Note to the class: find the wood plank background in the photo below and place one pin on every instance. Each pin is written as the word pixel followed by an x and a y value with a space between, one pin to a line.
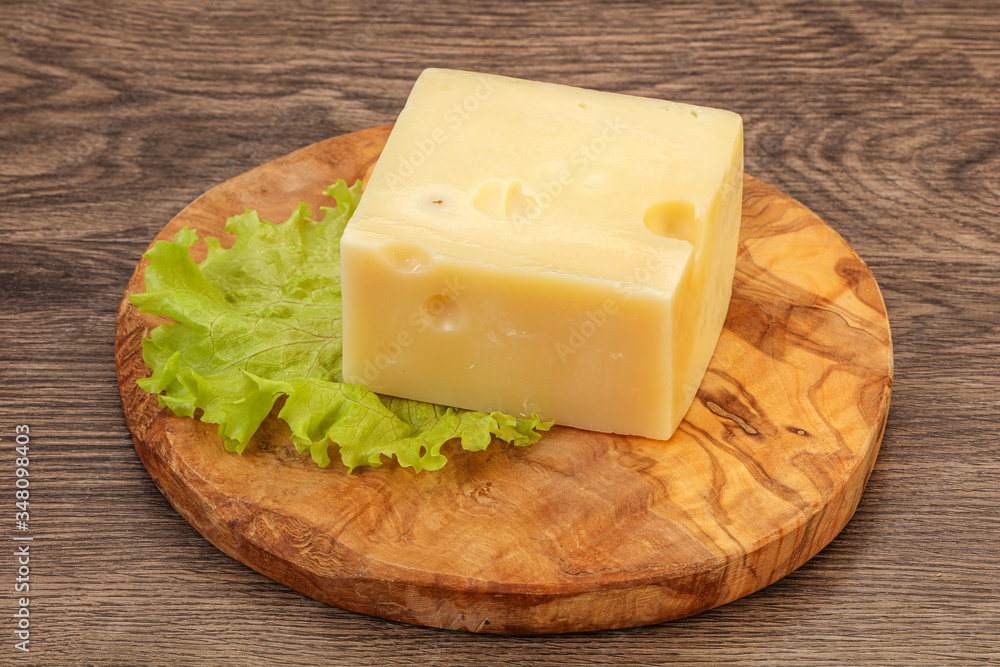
pixel 883 117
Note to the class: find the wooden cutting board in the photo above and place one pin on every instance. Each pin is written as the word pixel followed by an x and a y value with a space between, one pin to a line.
pixel 582 530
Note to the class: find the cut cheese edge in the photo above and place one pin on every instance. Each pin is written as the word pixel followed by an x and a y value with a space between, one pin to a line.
pixel 528 247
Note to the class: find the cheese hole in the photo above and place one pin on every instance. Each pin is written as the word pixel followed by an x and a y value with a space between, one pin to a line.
pixel 406 258
pixel 441 312
pixel 444 87
pixel 488 197
pixel 582 105
pixel 503 200
pixel 517 204
pixel 675 219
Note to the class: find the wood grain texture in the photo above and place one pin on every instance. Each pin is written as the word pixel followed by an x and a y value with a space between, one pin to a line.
pixel 880 116
pixel 583 530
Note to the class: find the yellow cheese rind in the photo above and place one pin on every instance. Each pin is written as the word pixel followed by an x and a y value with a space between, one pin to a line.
pixel 528 247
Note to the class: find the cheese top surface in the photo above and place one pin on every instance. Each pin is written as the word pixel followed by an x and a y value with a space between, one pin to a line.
pixel 504 171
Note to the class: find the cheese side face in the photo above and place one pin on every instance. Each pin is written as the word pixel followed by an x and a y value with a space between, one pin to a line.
pixel 529 247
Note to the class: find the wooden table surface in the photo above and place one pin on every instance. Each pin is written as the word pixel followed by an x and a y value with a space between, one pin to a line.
pixel 882 117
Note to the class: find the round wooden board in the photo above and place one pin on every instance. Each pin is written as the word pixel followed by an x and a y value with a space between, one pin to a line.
pixel 582 530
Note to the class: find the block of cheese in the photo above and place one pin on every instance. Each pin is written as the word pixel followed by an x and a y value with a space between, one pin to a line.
pixel 531 247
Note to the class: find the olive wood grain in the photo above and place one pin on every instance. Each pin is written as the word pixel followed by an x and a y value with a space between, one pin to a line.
pixel 582 530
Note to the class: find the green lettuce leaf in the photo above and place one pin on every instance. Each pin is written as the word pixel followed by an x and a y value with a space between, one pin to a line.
pixel 262 320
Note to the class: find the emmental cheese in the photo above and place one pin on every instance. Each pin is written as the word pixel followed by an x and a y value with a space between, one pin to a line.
pixel 528 247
